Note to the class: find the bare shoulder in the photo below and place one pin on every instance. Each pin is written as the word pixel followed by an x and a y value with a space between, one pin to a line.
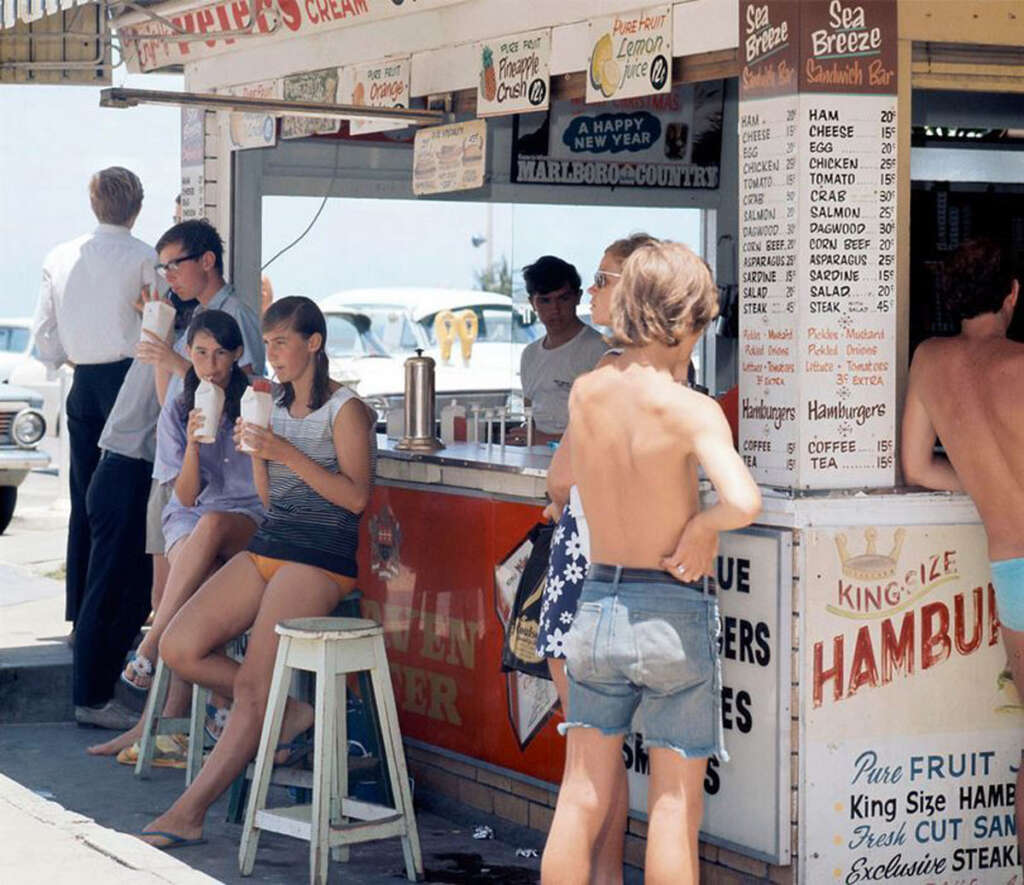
pixel 691 410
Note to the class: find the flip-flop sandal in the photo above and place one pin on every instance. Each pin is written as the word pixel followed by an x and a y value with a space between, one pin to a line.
pixel 138 672
pixel 298 749
pixel 173 840
pixel 216 721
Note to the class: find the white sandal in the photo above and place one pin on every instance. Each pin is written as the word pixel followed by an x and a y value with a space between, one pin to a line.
pixel 138 672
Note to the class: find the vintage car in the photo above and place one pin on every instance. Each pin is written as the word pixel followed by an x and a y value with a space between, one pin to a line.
pixel 22 426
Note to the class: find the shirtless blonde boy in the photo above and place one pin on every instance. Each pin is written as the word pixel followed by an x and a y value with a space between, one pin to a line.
pixel 642 652
pixel 967 391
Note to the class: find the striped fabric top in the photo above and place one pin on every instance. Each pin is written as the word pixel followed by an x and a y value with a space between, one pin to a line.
pixel 301 525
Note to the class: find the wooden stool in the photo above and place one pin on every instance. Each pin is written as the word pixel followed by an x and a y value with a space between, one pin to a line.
pixel 331 648
pixel 153 724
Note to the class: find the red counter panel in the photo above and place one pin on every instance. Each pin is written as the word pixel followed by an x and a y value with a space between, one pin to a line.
pixel 426 570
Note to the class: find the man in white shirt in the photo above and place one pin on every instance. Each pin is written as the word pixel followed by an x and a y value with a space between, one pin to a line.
pixel 86 318
pixel 569 348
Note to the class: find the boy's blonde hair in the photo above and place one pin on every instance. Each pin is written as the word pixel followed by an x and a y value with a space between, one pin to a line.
pixel 116 195
pixel 666 293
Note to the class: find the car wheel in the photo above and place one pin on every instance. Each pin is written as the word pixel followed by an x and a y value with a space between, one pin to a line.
pixel 8 498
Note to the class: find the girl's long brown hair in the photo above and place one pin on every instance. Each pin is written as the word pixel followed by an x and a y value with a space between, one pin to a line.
pixel 303 316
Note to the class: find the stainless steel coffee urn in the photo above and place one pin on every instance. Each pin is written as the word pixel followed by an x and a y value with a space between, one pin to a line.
pixel 419 406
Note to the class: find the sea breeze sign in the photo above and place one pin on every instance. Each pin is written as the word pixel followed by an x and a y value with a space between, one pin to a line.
pixel 911 726
pixel 380 84
pixel 817 129
pixel 630 54
pixel 672 140
pixel 754 578
pixel 449 158
pixel 514 74
pixel 292 18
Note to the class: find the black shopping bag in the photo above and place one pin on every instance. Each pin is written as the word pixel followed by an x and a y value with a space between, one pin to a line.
pixel 520 649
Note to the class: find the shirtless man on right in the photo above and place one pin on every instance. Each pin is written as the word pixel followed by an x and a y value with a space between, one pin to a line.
pixel 642 651
pixel 967 391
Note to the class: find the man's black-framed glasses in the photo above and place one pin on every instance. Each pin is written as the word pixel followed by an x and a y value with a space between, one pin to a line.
pixel 172 266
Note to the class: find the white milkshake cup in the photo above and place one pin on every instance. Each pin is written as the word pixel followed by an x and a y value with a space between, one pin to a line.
pixel 256 406
pixel 158 318
pixel 210 401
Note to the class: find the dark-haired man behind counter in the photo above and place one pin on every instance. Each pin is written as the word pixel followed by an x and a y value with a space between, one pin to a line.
pixel 550 365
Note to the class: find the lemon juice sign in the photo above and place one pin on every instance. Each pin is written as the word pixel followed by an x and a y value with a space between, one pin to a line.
pixel 630 54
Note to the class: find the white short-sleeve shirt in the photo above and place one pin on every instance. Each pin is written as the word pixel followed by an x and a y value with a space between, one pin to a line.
pixel 548 374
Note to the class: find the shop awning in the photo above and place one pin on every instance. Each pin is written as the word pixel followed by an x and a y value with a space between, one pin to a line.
pixel 55 41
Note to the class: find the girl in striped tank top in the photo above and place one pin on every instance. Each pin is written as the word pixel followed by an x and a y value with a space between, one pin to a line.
pixel 313 468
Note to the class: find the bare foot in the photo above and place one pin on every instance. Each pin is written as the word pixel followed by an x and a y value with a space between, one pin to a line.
pixel 170 822
pixel 116 745
pixel 298 717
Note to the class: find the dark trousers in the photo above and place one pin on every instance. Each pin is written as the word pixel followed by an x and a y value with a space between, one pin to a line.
pixel 120 574
pixel 90 400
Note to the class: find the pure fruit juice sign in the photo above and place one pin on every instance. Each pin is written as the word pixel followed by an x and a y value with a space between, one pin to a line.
pixel 514 74
pixel 630 54
pixel 380 84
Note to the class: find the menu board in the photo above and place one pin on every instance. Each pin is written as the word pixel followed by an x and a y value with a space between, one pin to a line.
pixel 254 130
pixel 911 724
pixel 193 140
pixel 449 158
pixel 379 84
pixel 769 205
pixel 514 74
pixel 320 87
pixel 847 240
pixel 817 128
pixel 630 54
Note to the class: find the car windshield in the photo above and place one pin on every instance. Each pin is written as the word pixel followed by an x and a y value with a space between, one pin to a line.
pixel 14 339
pixel 350 335
pixel 501 325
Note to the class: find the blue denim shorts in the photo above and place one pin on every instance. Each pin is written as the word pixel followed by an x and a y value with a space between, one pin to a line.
pixel 642 656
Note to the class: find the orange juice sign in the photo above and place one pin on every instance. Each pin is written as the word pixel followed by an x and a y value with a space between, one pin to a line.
pixel 382 84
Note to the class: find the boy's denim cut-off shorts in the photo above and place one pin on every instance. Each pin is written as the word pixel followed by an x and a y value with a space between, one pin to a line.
pixel 642 656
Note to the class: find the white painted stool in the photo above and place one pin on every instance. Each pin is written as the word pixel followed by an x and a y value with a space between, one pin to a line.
pixel 331 648
pixel 153 724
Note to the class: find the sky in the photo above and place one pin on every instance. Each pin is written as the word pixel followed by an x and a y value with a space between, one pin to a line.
pixel 53 138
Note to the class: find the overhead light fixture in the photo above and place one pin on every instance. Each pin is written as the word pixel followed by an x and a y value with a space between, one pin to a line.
pixel 117 97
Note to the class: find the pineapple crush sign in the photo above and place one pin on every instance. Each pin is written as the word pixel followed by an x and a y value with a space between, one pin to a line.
pixel 630 54
pixel 514 74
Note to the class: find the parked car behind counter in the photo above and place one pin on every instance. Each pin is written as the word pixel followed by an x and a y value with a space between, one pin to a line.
pixel 22 426
pixel 402 319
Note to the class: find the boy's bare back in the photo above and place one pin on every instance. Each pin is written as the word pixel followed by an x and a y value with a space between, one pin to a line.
pixel 972 393
pixel 632 433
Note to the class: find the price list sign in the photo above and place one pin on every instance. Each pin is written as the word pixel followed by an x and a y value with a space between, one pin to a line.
pixel 769 303
pixel 847 236
pixel 817 131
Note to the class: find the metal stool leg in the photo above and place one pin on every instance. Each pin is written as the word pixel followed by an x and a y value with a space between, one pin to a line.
pixel 151 718
pixel 397 773
pixel 272 720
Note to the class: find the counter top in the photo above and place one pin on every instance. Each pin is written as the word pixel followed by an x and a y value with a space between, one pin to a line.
pixel 510 459
pixel 520 473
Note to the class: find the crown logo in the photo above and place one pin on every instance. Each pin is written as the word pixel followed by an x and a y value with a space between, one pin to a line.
pixel 870 565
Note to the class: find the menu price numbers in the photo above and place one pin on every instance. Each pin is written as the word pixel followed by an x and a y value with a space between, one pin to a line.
pixel 884 461
pixel 887 179
pixel 886 275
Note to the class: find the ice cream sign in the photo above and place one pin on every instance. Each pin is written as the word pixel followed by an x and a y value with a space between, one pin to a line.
pixel 514 74
pixel 630 54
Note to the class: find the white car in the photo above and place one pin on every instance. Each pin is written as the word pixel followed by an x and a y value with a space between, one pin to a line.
pixel 18 365
pixel 402 319
pixel 15 344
